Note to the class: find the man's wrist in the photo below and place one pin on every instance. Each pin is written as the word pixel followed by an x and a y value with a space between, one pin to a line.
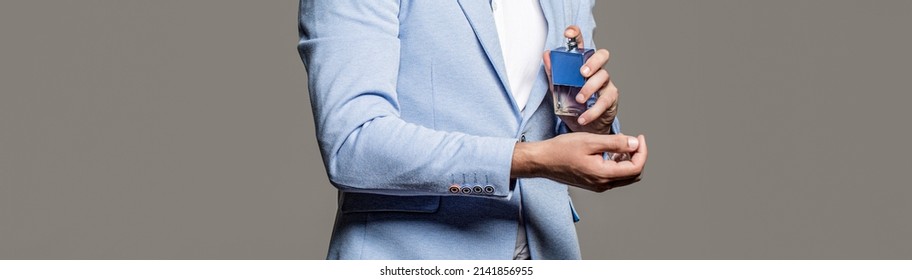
pixel 526 156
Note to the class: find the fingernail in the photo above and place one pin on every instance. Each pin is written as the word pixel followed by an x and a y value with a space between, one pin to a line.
pixel 632 142
pixel 580 98
pixel 581 120
pixel 585 70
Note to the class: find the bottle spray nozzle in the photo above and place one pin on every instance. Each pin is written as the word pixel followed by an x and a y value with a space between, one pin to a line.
pixel 571 44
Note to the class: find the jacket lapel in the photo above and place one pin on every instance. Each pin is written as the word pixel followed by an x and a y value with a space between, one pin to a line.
pixel 481 18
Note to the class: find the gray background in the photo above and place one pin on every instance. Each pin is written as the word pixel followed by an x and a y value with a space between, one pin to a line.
pixel 182 129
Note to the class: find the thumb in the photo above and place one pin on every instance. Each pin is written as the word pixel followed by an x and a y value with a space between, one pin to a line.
pixel 573 32
pixel 617 143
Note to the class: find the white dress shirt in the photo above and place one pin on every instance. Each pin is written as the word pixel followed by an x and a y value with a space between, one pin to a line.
pixel 521 29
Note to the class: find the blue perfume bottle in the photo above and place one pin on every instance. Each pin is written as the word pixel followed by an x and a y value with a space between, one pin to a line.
pixel 566 80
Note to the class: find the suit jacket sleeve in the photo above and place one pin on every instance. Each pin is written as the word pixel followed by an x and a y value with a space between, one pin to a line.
pixel 350 50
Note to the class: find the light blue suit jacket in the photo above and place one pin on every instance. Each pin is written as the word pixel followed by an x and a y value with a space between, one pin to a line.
pixel 417 125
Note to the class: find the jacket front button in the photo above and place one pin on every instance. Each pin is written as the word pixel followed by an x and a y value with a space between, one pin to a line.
pixel 522 138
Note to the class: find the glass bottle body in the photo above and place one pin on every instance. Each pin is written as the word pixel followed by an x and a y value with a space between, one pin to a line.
pixel 566 80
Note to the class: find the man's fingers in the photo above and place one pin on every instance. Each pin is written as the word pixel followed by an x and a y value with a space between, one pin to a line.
pixel 573 31
pixel 592 85
pixel 629 168
pixel 605 102
pixel 616 143
pixel 595 62
pixel 639 157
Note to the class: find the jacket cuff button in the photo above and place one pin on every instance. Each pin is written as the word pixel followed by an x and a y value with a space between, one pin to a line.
pixel 454 188
pixel 489 189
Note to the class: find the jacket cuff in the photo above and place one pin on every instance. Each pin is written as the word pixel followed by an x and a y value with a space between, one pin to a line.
pixel 489 174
